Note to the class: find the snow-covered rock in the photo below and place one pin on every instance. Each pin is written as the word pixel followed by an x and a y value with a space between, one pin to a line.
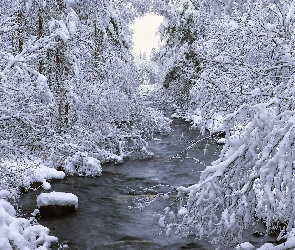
pixel 221 141
pixel 57 198
pixel 215 124
pixel 56 204
pixel 196 120
pixel 245 246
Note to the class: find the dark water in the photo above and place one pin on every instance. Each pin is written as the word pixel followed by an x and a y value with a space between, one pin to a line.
pixel 103 219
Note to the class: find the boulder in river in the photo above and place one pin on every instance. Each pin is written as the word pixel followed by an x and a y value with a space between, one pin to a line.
pixel 56 204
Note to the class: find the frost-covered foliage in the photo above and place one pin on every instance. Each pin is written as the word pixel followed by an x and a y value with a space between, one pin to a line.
pixel 253 178
pixel 245 75
pixel 68 99
pixel 178 32
pixel 246 59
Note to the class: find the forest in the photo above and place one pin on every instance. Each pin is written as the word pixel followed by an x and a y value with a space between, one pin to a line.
pixel 70 103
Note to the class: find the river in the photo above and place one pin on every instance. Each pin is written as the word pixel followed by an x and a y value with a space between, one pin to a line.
pixel 103 219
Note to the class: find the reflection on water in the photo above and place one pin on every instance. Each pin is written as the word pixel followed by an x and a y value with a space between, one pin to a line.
pixel 103 220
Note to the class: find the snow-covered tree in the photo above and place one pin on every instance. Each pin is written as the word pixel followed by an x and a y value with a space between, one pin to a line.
pixel 26 99
pixel 245 75
pixel 148 70
pixel 183 26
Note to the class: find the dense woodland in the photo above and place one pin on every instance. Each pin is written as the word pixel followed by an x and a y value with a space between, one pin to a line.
pixel 69 83
pixel 69 95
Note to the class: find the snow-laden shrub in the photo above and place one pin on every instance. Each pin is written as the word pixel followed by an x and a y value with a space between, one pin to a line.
pixel 82 164
pixel 116 147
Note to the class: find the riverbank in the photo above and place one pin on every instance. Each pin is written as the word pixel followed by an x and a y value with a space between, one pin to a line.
pixel 103 220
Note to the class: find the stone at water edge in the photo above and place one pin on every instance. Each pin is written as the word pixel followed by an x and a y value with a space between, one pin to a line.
pixel 56 204
pixel 245 246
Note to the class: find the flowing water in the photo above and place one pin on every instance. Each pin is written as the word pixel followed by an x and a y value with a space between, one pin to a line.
pixel 103 219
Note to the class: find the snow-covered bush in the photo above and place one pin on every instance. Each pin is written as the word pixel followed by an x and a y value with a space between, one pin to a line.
pixel 19 233
pixel 68 98
pixel 83 165
pixel 215 66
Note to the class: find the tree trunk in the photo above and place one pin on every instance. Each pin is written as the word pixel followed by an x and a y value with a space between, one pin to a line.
pixel 20 31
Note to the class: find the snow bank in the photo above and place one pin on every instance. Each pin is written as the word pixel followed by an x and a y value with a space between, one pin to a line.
pixel 57 198
pixel 214 125
pixel 19 233
pixel 45 173
pixel 24 172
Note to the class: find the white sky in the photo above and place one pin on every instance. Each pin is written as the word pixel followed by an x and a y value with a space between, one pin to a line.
pixel 144 33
